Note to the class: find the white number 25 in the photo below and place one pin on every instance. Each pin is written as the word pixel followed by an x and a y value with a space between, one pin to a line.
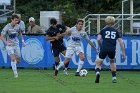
pixel 111 35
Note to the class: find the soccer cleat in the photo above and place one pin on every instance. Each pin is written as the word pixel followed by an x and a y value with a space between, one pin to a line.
pixel 55 72
pixel 65 72
pixel 77 74
pixel 114 81
pixel 97 78
pixel 15 75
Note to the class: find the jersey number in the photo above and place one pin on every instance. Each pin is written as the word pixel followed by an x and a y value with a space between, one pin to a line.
pixel 111 35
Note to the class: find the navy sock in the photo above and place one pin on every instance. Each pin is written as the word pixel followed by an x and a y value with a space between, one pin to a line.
pixel 113 73
pixel 56 63
pixel 66 65
pixel 97 70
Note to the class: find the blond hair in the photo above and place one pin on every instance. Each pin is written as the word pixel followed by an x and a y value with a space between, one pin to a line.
pixel 110 20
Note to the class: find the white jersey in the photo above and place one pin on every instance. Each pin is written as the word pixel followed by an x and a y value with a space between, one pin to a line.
pixel 76 37
pixel 11 34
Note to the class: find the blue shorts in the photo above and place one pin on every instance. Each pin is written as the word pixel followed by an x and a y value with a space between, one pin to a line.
pixel 107 52
pixel 58 49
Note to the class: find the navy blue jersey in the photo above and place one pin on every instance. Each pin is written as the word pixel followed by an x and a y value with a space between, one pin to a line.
pixel 109 36
pixel 54 31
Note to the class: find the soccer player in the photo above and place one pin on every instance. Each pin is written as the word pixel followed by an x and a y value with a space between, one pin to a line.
pixel 55 35
pixel 11 32
pixel 109 36
pixel 74 46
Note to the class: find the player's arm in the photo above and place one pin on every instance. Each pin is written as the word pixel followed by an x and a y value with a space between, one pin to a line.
pixel 122 47
pixel 99 40
pixel 92 45
pixel 21 37
pixel 3 33
pixel 67 32
pixel 51 38
pixel 5 42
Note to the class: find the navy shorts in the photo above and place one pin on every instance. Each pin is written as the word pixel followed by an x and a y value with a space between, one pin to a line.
pixel 58 49
pixel 107 52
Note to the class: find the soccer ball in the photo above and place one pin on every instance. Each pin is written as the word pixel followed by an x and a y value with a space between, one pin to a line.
pixel 83 72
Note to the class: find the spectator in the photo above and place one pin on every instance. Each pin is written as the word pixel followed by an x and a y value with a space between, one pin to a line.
pixel 33 28
pixel 21 24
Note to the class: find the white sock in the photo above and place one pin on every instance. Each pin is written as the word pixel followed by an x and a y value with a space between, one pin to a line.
pixel 114 78
pixel 97 73
pixel 60 65
pixel 80 65
pixel 65 69
pixel 14 67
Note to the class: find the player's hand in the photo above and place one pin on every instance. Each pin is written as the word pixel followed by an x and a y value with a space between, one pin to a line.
pixel 123 56
pixel 8 44
pixel 52 40
pixel 23 44
pixel 97 52
pixel 56 37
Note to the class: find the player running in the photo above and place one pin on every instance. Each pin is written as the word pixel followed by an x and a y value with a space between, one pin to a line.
pixel 109 36
pixel 11 32
pixel 55 35
pixel 74 46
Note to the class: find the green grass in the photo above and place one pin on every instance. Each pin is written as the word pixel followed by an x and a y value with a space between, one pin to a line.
pixel 43 81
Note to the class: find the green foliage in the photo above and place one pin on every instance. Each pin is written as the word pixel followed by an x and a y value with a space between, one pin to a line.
pixel 71 9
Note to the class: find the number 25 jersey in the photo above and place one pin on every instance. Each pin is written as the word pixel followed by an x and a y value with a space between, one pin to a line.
pixel 109 36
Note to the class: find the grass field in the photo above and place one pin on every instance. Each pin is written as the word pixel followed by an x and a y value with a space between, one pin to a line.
pixel 43 81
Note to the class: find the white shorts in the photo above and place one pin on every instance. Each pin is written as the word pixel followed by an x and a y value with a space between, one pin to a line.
pixel 71 50
pixel 13 50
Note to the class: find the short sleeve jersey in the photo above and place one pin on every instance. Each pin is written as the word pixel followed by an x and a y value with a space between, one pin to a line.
pixel 75 38
pixel 11 33
pixel 109 36
pixel 54 31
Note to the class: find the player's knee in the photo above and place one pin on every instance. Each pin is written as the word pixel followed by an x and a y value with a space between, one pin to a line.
pixel 99 63
pixel 18 60
pixel 57 59
pixel 111 61
pixel 12 57
pixel 82 57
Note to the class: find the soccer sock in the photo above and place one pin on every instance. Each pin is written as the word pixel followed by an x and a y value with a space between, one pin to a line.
pixel 14 67
pixel 60 65
pixel 113 73
pixel 66 66
pixel 80 65
pixel 97 71
pixel 56 64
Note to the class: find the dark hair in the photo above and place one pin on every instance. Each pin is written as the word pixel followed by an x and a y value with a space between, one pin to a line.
pixel 53 21
pixel 14 16
pixel 80 20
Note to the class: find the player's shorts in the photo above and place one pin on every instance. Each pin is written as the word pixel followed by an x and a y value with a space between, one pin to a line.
pixel 57 50
pixel 107 52
pixel 71 50
pixel 13 50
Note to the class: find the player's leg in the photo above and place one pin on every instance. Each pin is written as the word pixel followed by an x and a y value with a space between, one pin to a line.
pixel 57 60
pixel 66 66
pixel 69 53
pixel 99 62
pixel 17 53
pixel 80 64
pixel 113 71
pixel 10 51
pixel 62 64
pixel 80 53
pixel 111 55
pixel 56 56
